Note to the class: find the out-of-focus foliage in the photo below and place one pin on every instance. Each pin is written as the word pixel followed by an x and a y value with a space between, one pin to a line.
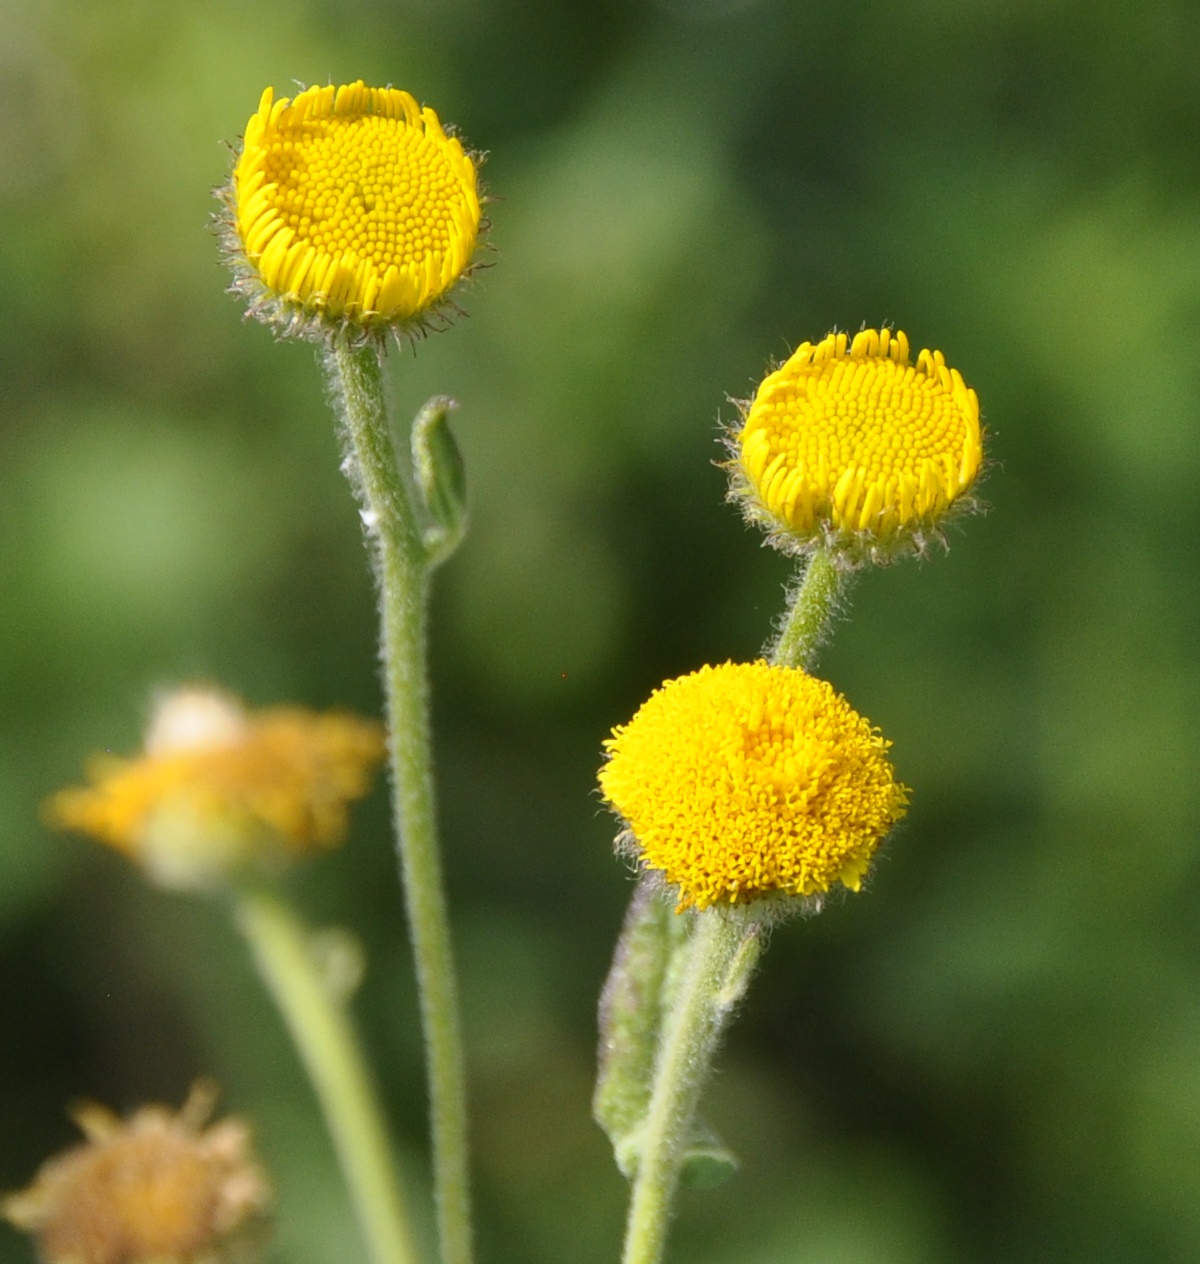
pixel 993 1055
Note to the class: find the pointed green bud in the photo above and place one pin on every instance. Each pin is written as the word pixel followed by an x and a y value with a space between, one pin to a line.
pixel 339 958
pixel 440 477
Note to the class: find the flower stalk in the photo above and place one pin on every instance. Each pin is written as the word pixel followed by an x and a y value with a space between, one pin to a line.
pixel 403 565
pixel 719 958
pixel 325 1039
pixel 812 606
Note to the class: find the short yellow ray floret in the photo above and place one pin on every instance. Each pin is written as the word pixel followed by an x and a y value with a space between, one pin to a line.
pixel 353 204
pixel 749 780
pixel 218 787
pixel 850 444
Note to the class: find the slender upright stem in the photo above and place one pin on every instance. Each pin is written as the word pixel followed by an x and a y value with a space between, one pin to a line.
pixel 402 572
pixel 325 1039
pixel 813 603
pixel 720 956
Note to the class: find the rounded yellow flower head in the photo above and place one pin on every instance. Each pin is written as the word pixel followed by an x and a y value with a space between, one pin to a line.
pixel 350 208
pixel 852 447
pixel 747 780
pixel 158 1188
pixel 218 788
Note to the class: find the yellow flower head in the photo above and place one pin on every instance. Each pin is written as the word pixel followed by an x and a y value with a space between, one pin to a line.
pixel 218 787
pixel 851 446
pixel 158 1188
pixel 746 781
pixel 350 208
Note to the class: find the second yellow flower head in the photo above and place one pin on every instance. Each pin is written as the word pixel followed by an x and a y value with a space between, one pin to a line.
pixel 852 446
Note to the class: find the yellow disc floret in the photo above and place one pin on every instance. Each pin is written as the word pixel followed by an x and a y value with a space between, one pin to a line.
pixel 353 205
pixel 218 787
pixel 749 780
pixel 850 445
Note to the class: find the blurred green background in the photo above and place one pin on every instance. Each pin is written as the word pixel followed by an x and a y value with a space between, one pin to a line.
pixel 994 1055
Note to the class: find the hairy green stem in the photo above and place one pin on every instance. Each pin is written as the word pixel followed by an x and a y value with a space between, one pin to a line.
pixel 402 571
pixel 325 1039
pixel 813 602
pixel 720 956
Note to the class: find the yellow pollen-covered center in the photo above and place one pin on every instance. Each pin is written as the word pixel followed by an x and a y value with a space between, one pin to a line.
pixel 744 780
pixel 852 438
pixel 354 202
